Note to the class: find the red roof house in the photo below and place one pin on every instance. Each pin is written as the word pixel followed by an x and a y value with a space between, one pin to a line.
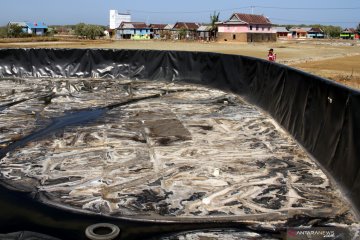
pixel 246 28
pixel 185 30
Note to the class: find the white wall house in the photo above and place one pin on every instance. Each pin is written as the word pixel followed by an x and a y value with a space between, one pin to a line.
pixel 117 18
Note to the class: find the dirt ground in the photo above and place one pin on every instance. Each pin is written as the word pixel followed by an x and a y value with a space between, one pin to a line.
pixel 338 60
pixel 345 70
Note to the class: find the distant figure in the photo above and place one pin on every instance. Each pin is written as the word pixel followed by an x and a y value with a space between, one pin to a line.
pixel 272 55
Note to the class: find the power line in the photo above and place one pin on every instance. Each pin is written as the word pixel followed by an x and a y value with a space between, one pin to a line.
pixel 305 21
pixel 251 8
pixel 188 12
pixel 301 8
pixel 247 7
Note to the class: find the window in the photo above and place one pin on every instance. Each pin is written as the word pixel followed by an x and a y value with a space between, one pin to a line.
pixel 234 36
pixel 257 27
pixel 250 27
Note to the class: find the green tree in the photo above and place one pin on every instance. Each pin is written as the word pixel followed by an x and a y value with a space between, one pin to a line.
pixel 79 29
pixel 88 31
pixel 93 31
pixel 3 32
pixel 214 18
pixel 332 31
pixel 51 31
pixel 15 30
pixel 182 33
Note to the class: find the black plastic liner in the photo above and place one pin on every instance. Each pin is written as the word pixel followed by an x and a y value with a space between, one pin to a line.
pixel 322 115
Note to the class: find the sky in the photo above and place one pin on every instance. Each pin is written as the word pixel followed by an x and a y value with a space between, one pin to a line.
pixel 343 13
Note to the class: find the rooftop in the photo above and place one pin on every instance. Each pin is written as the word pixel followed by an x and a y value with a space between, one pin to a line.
pixel 30 24
pixel 133 25
pixel 251 18
pixel 298 30
pixel 157 26
pixel 186 25
pixel 281 29
pixel 315 30
pixel 204 28
pixel 169 26
pixel 36 25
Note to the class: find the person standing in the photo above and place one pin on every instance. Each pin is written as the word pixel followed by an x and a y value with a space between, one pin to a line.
pixel 272 55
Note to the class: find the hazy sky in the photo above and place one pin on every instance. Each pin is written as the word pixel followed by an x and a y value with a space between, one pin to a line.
pixel 335 12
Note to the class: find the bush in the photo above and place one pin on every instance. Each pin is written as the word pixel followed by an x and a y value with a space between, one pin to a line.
pixel 15 30
pixel 332 31
pixel 89 31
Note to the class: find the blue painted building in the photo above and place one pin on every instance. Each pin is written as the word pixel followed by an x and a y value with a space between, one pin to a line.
pixel 32 27
pixel 133 30
pixel 315 33
pixel 37 28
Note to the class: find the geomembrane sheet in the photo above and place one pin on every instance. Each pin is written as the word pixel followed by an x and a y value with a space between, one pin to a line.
pixel 154 150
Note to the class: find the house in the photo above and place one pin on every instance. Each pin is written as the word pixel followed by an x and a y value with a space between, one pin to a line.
pixel 297 32
pixel 204 32
pixel 185 30
pixel 168 31
pixel 349 33
pixel 282 32
pixel 157 30
pixel 169 26
pixel 315 33
pixel 133 30
pixel 306 32
pixel 35 28
pixel 246 28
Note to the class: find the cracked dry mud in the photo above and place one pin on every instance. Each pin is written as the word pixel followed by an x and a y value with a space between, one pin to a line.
pixel 155 150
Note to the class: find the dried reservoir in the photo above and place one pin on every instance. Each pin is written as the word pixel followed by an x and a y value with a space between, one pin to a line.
pixel 158 150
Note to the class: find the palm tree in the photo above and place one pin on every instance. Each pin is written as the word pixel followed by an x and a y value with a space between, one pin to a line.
pixel 214 19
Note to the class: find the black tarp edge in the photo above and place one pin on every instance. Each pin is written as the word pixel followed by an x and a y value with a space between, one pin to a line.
pixel 321 115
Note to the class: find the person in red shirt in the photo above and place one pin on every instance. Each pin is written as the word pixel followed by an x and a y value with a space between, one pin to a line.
pixel 272 55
